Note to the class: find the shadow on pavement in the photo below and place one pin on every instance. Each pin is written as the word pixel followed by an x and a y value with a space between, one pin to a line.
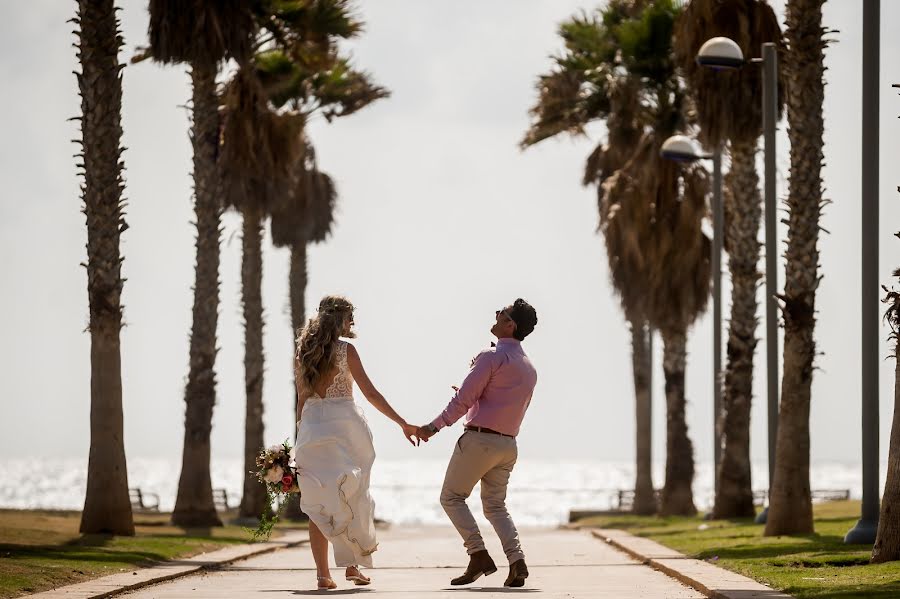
pixel 492 590
pixel 327 592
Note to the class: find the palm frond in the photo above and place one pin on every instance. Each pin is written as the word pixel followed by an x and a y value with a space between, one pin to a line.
pixel 626 39
pixel 575 92
pixel 306 214
pixel 343 90
pixel 727 102
pixel 624 127
pixel 316 81
pixel 561 107
pixel 201 31
pixel 323 199
pixel 659 257
pixel 646 41
pixel 258 146
pixel 312 20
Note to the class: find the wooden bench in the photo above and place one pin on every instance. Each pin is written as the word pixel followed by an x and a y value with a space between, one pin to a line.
pixel 624 500
pixel 140 500
pixel 220 498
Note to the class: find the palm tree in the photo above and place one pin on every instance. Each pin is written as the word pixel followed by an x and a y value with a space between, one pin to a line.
pixel 297 71
pixel 666 226
pixel 790 504
pixel 617 68
pixel 107 508
pixel 668 232
pixel 258 148
pixel 302 217
pixel 584 86
pixel 887 541
pixel 202 34
pixel 728 110
pixel 629 273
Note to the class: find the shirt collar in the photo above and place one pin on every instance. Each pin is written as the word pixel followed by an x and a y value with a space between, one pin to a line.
pixel 508 342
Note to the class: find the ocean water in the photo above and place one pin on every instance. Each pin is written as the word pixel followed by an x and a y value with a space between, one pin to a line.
pixel 541 493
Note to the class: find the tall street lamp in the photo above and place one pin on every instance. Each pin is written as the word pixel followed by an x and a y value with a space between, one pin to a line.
pixel 723 53
pixel 866 529
pixel 682 149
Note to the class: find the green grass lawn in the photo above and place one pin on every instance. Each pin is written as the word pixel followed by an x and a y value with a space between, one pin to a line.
pixel 806 566
pixel 40 550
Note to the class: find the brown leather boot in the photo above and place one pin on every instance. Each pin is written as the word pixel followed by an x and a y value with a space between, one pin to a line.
pixel 479 563
pixel 518 572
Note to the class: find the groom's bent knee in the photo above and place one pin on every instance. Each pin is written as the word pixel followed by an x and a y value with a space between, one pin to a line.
pixel 450 499
pixel 495 510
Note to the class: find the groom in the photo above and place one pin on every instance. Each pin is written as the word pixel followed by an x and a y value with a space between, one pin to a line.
pixel 494 398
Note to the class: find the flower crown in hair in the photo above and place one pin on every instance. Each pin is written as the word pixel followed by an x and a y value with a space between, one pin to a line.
pixel 330 310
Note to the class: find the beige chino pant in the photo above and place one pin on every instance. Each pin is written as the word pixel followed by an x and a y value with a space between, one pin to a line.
pixel 490 459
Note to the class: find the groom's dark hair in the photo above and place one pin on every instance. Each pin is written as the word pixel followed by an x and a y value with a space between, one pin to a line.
pixel 525 318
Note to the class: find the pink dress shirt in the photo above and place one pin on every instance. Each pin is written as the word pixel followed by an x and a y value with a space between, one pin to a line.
pixel 496 392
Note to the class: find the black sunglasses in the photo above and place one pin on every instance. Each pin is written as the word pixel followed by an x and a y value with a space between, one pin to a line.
pixel 505 313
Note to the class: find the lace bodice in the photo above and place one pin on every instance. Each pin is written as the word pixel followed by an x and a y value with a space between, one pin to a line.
pixel 342 385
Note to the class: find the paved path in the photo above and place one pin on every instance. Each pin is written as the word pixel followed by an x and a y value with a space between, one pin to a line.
pixel 419 562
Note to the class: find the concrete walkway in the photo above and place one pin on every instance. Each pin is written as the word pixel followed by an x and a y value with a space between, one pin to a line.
pixel 419 562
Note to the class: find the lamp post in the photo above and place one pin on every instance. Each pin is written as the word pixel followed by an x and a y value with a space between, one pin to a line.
pixel 866 529
pixel 722 53
pixel 682 149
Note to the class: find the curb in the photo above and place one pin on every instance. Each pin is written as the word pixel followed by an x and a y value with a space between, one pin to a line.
pixel 712 581
pixel 115 584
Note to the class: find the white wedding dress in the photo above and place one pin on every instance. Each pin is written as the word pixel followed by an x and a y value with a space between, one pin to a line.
pixel 334 456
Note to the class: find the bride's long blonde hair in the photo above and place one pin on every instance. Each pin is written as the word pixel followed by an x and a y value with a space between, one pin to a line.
pixel 317 340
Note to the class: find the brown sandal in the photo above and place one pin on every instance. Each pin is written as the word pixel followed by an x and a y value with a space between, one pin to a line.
pixel 326 583
pixel 358 579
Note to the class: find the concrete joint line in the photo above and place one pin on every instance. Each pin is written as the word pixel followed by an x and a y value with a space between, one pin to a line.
pixel 712 581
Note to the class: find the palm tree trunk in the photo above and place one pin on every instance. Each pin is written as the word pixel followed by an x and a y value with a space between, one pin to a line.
pixel 194 505
pixel 734 493
pixel 253 501
pixel 887 541
pixel 641 361
pixel 107 507
pixel 790 508
pixel 297 280
pixel 297 286
pixel 677 495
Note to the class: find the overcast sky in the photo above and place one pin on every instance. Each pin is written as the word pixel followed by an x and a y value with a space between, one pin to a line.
pixel 442 220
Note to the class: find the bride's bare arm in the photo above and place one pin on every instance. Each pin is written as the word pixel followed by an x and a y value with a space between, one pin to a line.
pixel 368 389
pixel 375 398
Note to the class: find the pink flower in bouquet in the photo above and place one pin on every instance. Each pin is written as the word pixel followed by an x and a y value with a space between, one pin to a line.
pixel 274 475
pixel 287 479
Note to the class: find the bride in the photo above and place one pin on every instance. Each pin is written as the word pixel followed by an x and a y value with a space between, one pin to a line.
pixel 334 452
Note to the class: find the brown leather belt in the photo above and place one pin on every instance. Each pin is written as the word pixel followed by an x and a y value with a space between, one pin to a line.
pixel 481 429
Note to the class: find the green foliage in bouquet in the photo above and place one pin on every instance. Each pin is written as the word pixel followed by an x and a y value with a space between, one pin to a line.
pixel 274 470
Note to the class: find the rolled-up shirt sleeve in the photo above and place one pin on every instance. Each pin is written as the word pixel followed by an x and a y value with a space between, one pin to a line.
pixel 469 392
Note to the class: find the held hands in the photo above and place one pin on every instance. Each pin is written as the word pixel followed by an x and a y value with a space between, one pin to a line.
pixel 416 434
pixel 424 433
pixel 410 431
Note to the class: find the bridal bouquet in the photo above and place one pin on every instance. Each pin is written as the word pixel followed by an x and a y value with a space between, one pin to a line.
pixel 275 472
